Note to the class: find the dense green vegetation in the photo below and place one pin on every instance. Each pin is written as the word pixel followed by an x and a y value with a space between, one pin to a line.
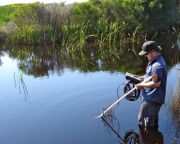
pixel 6 13
pixel 96 21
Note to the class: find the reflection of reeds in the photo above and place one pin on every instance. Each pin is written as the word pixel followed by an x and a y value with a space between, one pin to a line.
pixel 19 82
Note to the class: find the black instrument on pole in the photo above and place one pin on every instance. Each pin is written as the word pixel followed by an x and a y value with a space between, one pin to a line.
pixel 132 137
pixel 132 81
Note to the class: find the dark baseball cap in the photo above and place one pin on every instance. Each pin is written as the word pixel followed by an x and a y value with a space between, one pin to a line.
pixel 149 46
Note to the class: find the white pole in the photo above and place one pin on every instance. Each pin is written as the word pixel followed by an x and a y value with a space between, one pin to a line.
pixel 111 106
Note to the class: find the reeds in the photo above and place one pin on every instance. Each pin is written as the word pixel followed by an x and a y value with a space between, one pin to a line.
pixel 28 34
pixel 19 82
pixel 175 105
pixel 111 22
pixel 56 25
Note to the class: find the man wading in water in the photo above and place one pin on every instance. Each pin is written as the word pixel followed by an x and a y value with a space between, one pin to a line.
pixel 153 92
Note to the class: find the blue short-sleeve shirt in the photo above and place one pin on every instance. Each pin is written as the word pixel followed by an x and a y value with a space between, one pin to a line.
pixel 156 66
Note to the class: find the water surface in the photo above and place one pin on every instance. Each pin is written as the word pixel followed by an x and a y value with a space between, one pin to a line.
pixel 51 97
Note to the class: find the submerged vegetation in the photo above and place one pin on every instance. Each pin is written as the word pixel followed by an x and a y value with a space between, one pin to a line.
pixel 99 22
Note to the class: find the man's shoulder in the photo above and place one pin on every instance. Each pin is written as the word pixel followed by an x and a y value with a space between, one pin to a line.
pixel 159 67
pixel 159 63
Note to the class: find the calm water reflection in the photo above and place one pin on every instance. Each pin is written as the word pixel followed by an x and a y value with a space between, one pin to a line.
pixel 49 96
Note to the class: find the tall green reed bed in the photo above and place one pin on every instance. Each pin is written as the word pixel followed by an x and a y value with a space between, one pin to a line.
pixel 72 37
pixel 26 35
pixel 35 35
pixel 77 25
pixel 75 36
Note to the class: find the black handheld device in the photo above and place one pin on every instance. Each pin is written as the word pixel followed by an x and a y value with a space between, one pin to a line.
pixel 132 78
pixel 132 81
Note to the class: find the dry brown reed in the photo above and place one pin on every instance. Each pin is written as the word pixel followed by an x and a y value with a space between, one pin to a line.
pixel 175 105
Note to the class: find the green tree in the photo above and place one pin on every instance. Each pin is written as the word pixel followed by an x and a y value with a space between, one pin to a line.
pixel 88 14
pixel 158 14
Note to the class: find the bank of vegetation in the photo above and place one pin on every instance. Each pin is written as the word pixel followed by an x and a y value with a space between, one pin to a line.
pixel 77 25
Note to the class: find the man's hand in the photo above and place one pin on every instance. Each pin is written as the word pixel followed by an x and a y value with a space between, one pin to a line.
pixel 139 86
pixel 154 77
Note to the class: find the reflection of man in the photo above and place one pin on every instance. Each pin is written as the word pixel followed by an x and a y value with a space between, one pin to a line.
pixel 153 92
pixel 150 136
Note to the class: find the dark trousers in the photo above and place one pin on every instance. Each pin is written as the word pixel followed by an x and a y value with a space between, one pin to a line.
pixel 148 114
pixel 150 136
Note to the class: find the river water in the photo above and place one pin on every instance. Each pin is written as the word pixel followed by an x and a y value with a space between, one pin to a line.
pixel 52 97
